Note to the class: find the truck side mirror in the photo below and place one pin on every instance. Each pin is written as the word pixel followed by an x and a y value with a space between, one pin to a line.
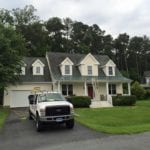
pixel 31 99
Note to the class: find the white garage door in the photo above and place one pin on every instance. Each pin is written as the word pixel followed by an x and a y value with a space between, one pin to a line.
pixel 19 99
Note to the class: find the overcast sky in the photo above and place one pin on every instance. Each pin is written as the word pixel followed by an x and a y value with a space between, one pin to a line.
pixel 113 16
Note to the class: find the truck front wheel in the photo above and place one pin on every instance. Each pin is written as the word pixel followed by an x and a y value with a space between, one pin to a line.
pixel 70 124
pixel 38 124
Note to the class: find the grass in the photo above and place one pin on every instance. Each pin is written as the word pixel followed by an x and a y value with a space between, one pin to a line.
pixel 117 120
pixel 3 115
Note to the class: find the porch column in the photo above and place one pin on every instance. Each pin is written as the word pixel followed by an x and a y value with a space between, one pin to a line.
pixel 58 86
pixel 107 90
pixel 129 89
pixel 85 88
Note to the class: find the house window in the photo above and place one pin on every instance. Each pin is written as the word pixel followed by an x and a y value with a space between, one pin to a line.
pixel 67 89
pixel 67 69
pixel 38 70
pixel 110 71
pixel 89 70
pixel 112 89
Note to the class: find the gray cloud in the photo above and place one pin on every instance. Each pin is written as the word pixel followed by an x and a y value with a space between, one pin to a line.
pixel 114 16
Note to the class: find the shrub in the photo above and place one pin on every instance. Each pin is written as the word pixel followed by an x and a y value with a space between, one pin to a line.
pixel 79 101
pixel 137 90
pixel 124 100
pixel 147 93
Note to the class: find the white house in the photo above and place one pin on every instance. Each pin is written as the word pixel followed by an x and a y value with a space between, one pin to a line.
pixel 71 74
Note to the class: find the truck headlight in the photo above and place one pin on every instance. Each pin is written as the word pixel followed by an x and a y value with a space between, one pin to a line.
pixel 42 112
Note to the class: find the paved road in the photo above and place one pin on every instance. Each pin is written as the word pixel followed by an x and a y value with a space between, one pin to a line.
pixel 20 134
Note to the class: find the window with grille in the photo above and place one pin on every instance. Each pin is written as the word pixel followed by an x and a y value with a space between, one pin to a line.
pixel 110 70
pixel 67 69
pixel 112 89
pixel 67 89
pixel 38 70
pixel 89 70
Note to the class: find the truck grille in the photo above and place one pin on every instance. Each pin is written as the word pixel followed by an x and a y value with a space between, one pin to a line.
pixel 57 111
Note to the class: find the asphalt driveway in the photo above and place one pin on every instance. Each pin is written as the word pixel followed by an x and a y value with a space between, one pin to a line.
pixel 19 134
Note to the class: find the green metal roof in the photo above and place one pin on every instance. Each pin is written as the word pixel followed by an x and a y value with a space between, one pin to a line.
pixel 94 78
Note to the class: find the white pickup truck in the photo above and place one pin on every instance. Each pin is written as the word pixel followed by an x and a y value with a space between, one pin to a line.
pixel 48 107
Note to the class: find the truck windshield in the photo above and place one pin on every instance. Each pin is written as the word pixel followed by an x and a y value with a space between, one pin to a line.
pixel 51 97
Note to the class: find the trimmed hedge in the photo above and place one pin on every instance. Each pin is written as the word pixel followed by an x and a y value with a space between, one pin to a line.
pixel 79 101
pixel 124 100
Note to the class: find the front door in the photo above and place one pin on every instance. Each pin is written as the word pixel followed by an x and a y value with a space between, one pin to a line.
pixel 90 90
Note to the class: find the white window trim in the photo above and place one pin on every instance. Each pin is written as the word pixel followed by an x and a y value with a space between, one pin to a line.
pixel 38 63
pixel 70 67
pixel 38 70
pixel 35 70
pixel 88 70
pixel 67 89
pixel 111 89
pixel 113 71
pixel 23 70
pixel 65 62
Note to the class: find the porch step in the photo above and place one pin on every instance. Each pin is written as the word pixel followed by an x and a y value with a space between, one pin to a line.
pixel 100 104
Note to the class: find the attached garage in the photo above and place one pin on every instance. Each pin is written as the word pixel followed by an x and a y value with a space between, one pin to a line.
pixel 19 99
pixel 31 78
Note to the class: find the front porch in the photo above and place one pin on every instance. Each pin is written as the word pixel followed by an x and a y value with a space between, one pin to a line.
pixel 100 92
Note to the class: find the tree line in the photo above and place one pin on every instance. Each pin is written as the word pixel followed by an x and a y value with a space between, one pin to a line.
pixel 35 37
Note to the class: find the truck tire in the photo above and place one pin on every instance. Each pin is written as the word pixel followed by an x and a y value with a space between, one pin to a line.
pixel 70 124
pixel 38 124
pixel 30 115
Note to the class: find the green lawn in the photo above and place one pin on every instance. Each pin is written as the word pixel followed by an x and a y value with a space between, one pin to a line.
pixel 3 115
pixel 117 120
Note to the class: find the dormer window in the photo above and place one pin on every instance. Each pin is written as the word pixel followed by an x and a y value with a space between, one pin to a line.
pixel 88 65
pixel 23 71
pixel 23 68
pixel 110 70
pixel 38 67
pixel 89 69
pixel 38 70
pixel 66 67
pixel 67 70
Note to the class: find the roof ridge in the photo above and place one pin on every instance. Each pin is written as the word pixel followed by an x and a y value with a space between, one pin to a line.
pixel 76 53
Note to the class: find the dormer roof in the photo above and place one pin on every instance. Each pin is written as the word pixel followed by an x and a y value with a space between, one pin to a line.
pixel 38 62
pixel 82 61
pixel 110 63
pixel 66 61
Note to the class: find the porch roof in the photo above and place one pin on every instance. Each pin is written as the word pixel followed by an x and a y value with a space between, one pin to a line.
pixel 90 78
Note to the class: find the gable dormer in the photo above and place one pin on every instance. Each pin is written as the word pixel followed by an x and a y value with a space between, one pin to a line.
pixel 66 67
pixel 109 68
pixel 88 66
pixel 38 67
